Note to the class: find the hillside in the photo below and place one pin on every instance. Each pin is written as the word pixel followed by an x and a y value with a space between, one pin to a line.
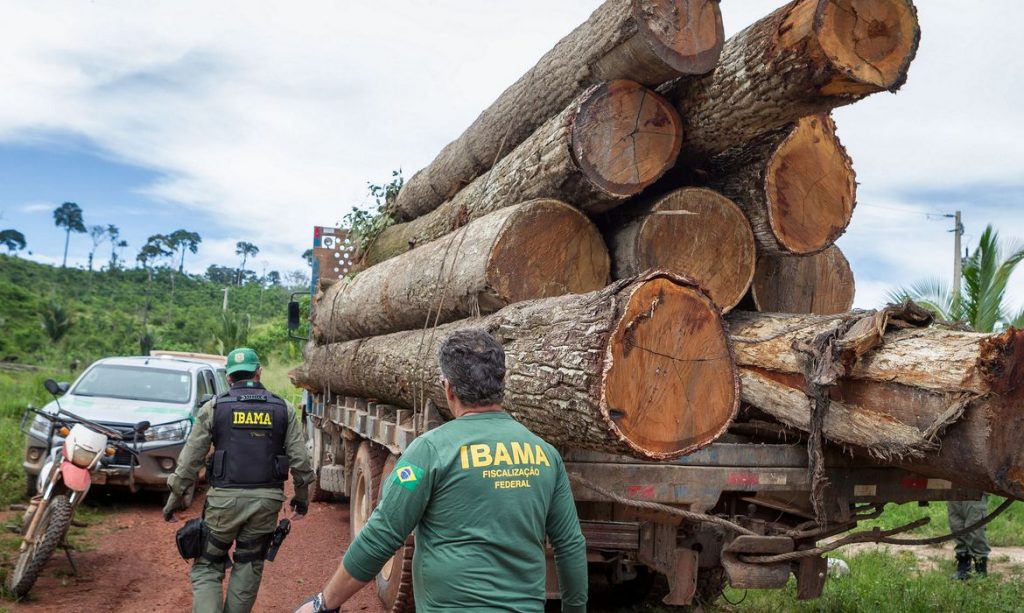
pixel 107 313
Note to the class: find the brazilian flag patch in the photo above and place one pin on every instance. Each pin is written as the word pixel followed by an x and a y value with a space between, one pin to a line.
pixel 408 476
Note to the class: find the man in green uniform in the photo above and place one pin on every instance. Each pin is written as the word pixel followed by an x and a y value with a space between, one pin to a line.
pixel 974 544
pixel 256 436
pixel 482 493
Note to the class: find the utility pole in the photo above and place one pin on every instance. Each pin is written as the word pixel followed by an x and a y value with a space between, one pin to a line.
pixel 224 307
pixel 958 231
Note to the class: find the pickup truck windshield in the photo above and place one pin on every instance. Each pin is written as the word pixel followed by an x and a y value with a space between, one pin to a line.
pixel 135 383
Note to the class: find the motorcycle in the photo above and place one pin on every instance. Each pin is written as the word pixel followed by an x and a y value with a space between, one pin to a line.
pixel 63 483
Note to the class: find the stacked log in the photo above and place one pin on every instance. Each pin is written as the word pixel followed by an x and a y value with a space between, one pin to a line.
pixel 640 367
pixel 703 187
pixel 648 41
pixel 693 232
pixel 532 250
pixel 609 144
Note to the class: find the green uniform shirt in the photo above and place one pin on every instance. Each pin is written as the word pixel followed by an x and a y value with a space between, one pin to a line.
pixel 482 492
pixel 196 448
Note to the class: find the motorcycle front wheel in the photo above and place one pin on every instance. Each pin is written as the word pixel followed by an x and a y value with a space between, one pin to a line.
pixel 53 526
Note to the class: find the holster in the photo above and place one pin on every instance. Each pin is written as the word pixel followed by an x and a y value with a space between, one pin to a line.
pixel 191 538
pixel 277 537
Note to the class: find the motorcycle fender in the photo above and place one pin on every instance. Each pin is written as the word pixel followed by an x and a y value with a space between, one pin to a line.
pixel 45 475
pixel 75 478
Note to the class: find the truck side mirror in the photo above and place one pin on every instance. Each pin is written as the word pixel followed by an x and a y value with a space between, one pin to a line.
pixel 56 389
pixel 293 316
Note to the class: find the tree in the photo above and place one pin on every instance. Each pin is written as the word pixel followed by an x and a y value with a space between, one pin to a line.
pixel 98 234
pixel 184 240
pixel 155 248
pixel 308 256
pixel 12 240
pixel 56 321
pixel 113 233
pixel 69 217
pixel 273 278
pixel 981 303
pixel 233 332
pixel 221 274
pixel 244 249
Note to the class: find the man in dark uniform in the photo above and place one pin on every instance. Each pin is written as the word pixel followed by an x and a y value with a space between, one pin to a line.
pixel 482 493
pixel 256 437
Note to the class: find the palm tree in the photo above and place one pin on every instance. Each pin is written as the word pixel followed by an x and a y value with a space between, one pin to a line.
pixel 13 240
pixel 56 321
pixel 981 303
pixel 244 249
pixel 69 217
pixel 184 240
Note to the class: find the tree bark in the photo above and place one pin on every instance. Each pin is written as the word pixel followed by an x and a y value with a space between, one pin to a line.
pixel 820 284
pixel 536 249
pixel 943 403
pixel 796 185
pixel 808 57
pixel 692 232
pixel 648 41
pixel 608 145
pixel 640 367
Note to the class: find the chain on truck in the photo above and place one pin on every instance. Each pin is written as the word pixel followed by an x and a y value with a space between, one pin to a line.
pixel 738 511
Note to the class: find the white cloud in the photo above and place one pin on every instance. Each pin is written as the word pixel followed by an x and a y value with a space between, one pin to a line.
pixel 272 117
pixel 31 208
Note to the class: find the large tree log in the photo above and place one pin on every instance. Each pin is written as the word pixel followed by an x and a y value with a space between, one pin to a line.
pixel 608 145
pixel 943 403
pixel 641 367
pixel 820 284
pixel 796 184
pixel 807 57
pixel 693 232
pixel 648 41
pixel 537 249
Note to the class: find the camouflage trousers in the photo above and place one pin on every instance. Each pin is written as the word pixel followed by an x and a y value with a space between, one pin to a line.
pixel 247 522
pixel 963 514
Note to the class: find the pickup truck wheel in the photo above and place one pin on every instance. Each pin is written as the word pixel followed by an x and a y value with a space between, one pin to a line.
pixel 366 471
pixel 394 581
pixel 30 485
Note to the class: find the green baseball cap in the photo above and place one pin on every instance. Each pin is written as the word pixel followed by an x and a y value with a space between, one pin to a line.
pixel 242 359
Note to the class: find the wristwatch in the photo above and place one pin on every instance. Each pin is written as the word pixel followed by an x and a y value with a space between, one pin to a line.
pixel 320 607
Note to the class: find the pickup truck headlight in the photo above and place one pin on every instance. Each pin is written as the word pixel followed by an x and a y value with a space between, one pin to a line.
pixel 40 428
pixel 176 431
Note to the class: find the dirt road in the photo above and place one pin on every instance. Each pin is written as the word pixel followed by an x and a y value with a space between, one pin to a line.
pixel 130 564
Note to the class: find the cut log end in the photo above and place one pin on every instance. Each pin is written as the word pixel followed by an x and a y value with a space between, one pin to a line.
pixel 821 284
pixel 810 187
pixel 870 42
pixel 671 384
pixel 549 249
pixel 685 34
pixel 625 137
pixel 703 236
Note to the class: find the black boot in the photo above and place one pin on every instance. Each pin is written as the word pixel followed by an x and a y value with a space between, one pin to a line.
pixel 981 567
pixel 963 567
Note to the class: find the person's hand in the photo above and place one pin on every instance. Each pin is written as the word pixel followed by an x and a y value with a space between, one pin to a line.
pixel 174 503
pixel 306 607
pixel 312 605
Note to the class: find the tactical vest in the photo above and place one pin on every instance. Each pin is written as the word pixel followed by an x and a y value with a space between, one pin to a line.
pixel 249 428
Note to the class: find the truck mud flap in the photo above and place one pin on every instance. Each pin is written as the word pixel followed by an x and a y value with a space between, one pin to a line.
pixel 748 576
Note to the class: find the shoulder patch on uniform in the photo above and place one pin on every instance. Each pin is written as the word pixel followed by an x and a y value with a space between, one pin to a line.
pixel 408 476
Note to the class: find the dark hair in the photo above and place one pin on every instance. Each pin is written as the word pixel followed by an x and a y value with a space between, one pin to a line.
pixel 473 362
pixel 241 375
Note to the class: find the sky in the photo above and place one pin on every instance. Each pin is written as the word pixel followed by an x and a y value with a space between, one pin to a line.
pixel 257 120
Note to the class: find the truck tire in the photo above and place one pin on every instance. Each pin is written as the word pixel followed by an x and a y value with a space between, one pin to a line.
pixel 366 471
pixel 316 493
pixel 394 581
pixel 50 532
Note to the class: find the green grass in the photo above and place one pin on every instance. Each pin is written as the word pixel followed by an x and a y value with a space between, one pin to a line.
pixel 1006 530
pixel 275 379
pixel 879 581
pixel 17 391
